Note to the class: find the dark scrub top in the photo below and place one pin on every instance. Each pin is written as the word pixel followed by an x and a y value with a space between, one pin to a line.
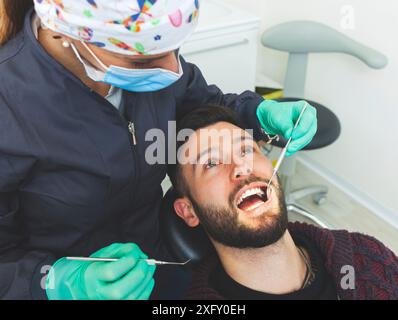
pixel 71 179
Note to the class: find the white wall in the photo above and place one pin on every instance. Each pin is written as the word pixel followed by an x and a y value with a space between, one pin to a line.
pixel 365 100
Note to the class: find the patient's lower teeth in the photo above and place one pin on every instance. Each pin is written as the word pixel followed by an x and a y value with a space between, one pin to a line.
pixel 255 206
pixel 251 202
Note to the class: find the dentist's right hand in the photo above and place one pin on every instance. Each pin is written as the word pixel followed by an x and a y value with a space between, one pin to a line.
pixel 129 278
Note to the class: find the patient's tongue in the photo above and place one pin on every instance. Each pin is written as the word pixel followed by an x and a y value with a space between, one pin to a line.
pixel 250 202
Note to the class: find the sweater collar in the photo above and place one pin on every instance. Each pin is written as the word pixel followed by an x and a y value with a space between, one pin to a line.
pixel 335 247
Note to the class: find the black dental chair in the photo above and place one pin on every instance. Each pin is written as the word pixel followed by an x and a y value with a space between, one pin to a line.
pixel 182 241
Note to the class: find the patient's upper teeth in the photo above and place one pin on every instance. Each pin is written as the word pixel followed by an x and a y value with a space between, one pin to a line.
pixel 249 193
pixel 258 191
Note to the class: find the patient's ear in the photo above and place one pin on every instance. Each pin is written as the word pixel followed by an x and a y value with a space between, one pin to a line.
pixel 183 208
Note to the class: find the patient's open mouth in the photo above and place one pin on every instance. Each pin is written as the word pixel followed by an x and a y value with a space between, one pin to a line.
pixel 252 197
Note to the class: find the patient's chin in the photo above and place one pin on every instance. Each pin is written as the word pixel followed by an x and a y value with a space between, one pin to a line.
pixel 260 234
pixel 263 220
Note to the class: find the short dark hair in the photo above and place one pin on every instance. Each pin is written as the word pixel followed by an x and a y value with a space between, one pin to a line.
pixel 199 118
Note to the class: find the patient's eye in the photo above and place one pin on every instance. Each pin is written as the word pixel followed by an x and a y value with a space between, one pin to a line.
pixel 247 150
pixel 211 164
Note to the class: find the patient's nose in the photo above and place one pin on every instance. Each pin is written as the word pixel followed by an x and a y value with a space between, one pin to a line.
pixel 242 170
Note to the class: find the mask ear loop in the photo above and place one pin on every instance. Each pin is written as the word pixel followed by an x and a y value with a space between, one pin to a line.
pixel 79 57
pixel 180 69
pixel 77 54
pixel 94 56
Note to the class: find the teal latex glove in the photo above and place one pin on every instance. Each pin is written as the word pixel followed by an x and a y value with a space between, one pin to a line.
pixel 279 118
pixel 129 278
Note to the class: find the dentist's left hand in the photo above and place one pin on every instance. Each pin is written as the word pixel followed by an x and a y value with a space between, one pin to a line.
pixel 279 118
pixel 128 278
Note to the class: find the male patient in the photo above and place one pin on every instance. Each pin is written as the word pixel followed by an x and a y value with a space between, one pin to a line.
pixel 222 185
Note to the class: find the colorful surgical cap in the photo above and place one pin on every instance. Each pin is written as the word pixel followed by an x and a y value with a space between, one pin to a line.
pixel 131 27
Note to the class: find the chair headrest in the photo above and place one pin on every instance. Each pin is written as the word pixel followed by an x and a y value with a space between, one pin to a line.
pixel 311 36
pixel 182 241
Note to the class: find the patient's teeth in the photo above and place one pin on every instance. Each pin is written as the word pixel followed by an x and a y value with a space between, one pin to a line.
pixel 249 193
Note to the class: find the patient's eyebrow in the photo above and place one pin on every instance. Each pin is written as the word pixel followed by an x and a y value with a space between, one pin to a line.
pixel 210 150
pixel 200 155
pixel 243 138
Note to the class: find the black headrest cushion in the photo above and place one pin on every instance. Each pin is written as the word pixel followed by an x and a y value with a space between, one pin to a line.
pixel 182 241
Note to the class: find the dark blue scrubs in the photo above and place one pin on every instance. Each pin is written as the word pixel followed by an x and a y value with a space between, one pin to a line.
pixel 71 179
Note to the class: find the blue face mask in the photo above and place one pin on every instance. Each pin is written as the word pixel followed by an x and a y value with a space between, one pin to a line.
pixel 135 80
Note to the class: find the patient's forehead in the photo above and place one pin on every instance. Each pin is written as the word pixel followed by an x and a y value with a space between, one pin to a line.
pixel 218 136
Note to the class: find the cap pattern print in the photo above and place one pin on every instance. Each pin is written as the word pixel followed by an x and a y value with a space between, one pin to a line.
pixel 130 27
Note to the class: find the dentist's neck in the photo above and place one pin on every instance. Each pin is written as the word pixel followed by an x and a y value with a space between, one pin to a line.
pixel 66 57
pixel 275 269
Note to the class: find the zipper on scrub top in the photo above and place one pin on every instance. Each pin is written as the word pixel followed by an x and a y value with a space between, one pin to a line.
pixel 132 131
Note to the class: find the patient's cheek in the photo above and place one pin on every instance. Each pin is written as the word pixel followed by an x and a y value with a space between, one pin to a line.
pixel 264 165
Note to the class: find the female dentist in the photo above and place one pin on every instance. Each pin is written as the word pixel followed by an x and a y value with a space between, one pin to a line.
pixel 81 82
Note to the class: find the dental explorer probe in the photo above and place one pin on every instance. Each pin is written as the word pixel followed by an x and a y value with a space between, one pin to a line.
pixel 283 153
pixel 151 262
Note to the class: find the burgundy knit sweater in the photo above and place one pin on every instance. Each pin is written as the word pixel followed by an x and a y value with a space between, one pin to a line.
pixel 376 267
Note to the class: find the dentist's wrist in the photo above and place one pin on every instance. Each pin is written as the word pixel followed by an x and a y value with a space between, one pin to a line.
pixel 263 115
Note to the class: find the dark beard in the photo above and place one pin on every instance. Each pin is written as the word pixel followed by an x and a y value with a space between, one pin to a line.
pixel 223 226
